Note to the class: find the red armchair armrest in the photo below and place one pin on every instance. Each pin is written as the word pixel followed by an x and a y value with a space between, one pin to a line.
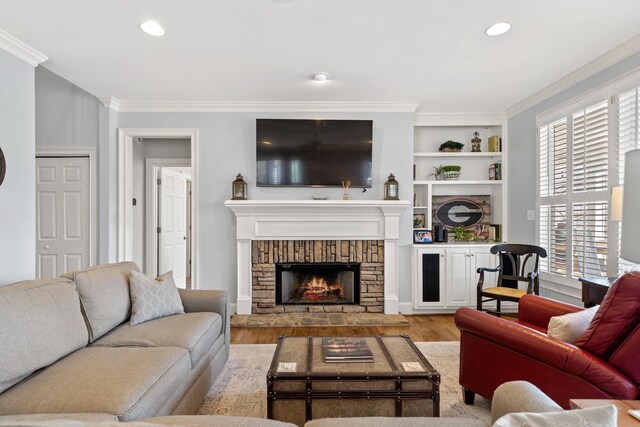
pixel 538 310
pixel 538 346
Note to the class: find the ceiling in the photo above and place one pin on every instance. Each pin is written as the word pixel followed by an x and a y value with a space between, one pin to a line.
pixel 429 51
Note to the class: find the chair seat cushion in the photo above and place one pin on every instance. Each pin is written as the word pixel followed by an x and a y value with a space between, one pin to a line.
pixel 129 382
pixel 503 291
pixel 195 332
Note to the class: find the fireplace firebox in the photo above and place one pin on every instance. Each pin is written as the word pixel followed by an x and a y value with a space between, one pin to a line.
pixel 322 283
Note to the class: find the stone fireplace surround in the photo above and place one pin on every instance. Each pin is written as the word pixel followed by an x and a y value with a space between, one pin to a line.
pixel 317 220
pixel 267 253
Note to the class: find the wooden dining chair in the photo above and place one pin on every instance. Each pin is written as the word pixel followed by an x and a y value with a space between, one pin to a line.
pixel 518 263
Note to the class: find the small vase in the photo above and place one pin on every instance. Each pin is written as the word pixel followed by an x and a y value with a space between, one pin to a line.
pixel 345 196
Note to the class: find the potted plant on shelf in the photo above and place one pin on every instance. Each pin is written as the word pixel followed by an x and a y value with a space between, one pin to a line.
pixel 451 146
pixel 450 173
pixel 461 234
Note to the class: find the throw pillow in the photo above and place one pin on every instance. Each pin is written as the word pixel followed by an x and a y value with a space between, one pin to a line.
pixel 618 315
pixel 153 298
pixel 601 416
pixel 569 327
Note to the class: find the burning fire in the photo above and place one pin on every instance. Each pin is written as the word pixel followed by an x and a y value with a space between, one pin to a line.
pixel 318 289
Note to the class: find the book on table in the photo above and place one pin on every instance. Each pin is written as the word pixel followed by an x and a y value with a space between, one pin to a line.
pixel 338 350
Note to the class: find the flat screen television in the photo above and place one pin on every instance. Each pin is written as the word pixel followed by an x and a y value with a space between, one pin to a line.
pixel 321 153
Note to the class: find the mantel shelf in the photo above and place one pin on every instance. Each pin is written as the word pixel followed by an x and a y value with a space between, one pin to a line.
pixel 460 182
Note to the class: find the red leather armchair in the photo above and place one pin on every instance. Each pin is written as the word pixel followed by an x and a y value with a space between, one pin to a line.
pixel 495 350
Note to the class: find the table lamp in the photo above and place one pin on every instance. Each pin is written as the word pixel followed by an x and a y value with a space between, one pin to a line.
pixel 630 250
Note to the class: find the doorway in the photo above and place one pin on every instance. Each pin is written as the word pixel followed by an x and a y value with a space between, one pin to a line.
pixel 168 219
pixel 130 231
pixel 65 210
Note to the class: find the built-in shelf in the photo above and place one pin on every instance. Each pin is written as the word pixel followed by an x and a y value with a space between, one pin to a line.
pixel 461 182
pixel 450 154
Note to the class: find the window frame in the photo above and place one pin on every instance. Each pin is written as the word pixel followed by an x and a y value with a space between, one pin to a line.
pixel 608 93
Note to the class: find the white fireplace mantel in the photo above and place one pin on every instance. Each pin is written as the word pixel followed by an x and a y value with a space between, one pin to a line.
pixel 318 220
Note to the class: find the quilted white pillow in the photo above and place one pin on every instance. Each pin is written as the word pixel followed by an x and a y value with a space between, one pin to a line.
pixel 601 416
pixel 569 327
pixel 152 298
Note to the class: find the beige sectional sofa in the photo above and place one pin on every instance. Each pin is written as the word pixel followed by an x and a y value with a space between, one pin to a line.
pixel 66 347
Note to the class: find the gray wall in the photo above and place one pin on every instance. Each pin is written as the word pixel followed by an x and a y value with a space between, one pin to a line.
pixel 522 163
pixel 227 146
pixel 17 193
pixel 66 116
pixel 156 149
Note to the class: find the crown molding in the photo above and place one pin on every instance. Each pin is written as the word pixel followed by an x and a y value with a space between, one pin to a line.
pixel 617 54
pixel 471 118
pixel 246 107
pixel 110 102
pixel 21 50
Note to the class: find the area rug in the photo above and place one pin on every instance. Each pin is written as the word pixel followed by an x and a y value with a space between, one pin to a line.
pixel 241 388
pixel 292 320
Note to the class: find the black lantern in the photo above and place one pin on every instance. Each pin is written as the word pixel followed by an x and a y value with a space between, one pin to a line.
pixel 239 188
pixel 391 188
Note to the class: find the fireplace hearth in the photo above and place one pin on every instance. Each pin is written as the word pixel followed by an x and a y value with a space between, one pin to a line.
pixel 317 283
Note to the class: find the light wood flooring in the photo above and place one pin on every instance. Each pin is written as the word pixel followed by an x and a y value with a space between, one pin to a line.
pixel 421 328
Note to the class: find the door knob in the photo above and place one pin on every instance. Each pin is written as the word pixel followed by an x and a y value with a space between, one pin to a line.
pixel 184 237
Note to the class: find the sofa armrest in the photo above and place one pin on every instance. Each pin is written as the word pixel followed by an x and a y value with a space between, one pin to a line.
pixel 538 310
pixel 520 396
pixel 212 301
pixel 538 346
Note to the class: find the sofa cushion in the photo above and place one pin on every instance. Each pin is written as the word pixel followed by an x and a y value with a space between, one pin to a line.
pixel 195 332
pixel 104 293
pixel 130 382
pixel 601 416
pixel 40 322
pixel 569 327
pixel 86 417
pixel 153 298
pixel 395 422
pixel 626 357
pixel 618 315
pixel 214 421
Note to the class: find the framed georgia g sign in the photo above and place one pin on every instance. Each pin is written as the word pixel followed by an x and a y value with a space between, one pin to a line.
pixel 3 166
pixel 467 211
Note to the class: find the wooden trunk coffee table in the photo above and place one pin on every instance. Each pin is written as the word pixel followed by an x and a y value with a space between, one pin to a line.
pixel 314 389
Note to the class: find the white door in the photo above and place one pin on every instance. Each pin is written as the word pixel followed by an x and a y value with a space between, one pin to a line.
pixel 62 215
pixel 172 248
pixel 457 291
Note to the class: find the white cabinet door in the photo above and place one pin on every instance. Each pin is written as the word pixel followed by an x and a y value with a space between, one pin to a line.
pixel 62 215
pixel 457 283
pixel 172 248
pixel 429 277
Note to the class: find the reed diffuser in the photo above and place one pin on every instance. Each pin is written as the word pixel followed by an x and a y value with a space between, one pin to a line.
pixel 345 186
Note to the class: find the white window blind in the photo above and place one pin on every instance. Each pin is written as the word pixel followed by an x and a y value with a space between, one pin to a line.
pixel 589 239
pixel 553 158
pixel 553 237
pixel 591 148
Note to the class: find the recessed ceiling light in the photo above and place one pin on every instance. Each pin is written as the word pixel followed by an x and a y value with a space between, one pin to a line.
pixel 152 28
pixel 266 142
pixel 321 76
pixel 497 29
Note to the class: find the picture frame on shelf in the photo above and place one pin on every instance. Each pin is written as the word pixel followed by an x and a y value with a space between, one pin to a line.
pixel 422 236
pixel 419 220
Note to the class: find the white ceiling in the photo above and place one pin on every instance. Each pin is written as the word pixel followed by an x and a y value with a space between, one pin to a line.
pixel 428 51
